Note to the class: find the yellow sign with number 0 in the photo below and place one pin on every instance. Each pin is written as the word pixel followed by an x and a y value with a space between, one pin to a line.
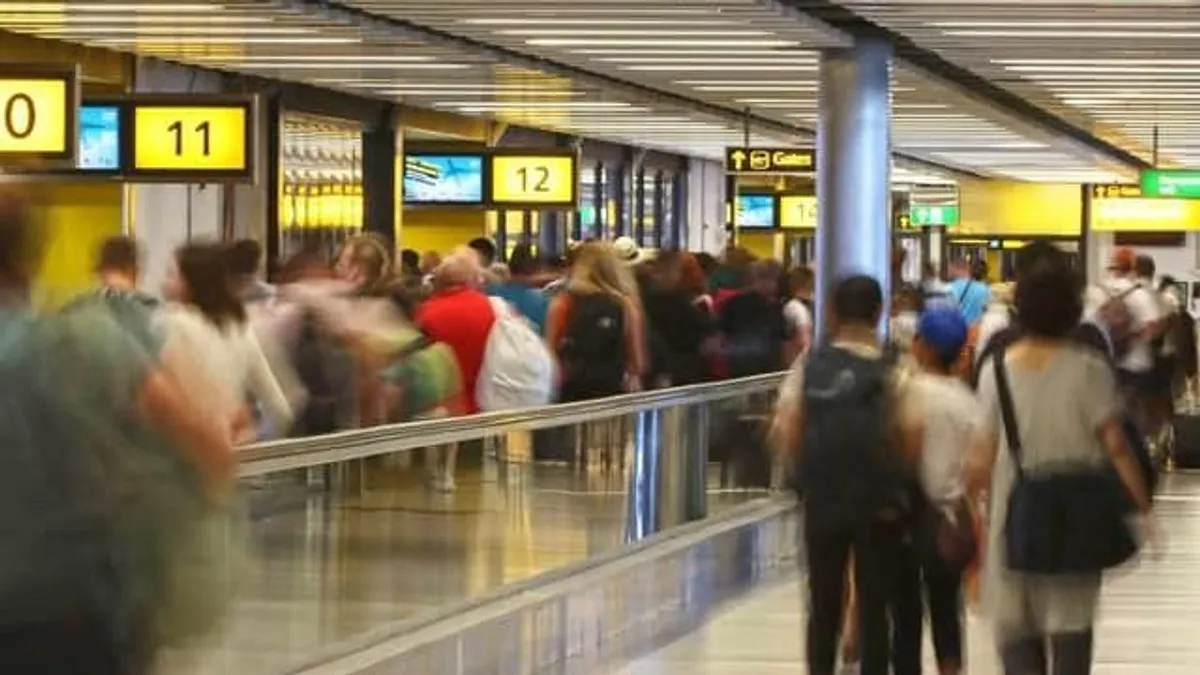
pixel 534 179
pixel 191 138
pixel 37 115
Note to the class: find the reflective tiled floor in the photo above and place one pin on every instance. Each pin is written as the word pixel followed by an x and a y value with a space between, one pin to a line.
pixel 328 568
pixel 1150 623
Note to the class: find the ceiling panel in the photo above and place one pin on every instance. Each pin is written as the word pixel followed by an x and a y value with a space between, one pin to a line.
pixel 739 54
pixel 672 75
pixel 1116 68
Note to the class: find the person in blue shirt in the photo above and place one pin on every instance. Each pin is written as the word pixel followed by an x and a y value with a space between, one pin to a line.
pixel 969 289
pixel 519 290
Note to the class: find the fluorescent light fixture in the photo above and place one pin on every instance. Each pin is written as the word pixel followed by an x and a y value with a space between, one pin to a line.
pixel 114 7
pixel 590 21
pixel 1097 62
pixel 226 32
pixel 656 42
pixel 1080 32
pixel 1068 25
pixel 717 83
pixel 224 41
pixel 284 64
pixel 769 88
pixel 548 105
pixel 714 51
pixel 451 92
pixel 704 61
pixel 73 20
pixel 719 67
pixel 335 58
pixel 663 35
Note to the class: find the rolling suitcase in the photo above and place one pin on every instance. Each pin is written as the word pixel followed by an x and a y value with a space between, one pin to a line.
pixel 1186 443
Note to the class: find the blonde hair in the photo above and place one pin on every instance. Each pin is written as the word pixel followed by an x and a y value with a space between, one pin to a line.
pixel 370 254
pixel 459 268
pixel 597 269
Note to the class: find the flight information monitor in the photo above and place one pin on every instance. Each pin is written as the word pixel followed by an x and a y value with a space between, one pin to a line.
pixel 756 211
pixel 99 138
pixel 443 179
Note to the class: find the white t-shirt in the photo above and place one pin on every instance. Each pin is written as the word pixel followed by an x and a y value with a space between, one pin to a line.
pixel 995 319
pixel 219 368
pixel 1144 309
pixel 797 316
pixel 949 415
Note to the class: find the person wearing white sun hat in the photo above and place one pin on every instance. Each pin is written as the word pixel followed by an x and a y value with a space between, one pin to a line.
pixel 628 252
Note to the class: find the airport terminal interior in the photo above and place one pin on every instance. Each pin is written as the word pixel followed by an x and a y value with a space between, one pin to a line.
pixel 651 532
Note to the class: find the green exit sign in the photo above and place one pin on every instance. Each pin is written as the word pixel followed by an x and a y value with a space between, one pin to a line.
pixel 1174 183
pixel 928 215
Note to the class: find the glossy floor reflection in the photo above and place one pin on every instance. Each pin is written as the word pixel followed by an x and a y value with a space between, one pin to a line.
pixel 329 568
pixel 1147 627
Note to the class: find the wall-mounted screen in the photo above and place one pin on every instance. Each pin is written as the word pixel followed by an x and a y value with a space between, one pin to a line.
pixel 99 138
pixel 443 179
pixel 756 211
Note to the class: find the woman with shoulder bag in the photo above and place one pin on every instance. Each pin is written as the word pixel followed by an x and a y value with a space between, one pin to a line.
pixel 1061 477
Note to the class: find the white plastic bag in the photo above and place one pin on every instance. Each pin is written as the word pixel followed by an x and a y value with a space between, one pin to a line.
pixel 518 371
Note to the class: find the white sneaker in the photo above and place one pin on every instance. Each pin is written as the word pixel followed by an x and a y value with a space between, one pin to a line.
pixel 445 483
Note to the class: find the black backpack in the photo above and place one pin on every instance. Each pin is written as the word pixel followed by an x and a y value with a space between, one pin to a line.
pixel 320 369
pixel 850 471
pixel 592 352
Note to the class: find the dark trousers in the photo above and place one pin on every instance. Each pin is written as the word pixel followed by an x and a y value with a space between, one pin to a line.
pixel 1063 654
pixel 926 581
pixel 73 646
pixel 876 548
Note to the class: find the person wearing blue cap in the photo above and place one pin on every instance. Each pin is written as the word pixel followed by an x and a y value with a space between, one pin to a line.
pixel 940 409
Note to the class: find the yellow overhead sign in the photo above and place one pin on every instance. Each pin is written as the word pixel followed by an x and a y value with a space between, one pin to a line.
pixel 1144 215
pixel 1117 191
pixel 541 179
pixel 38 111
pixel 198 138
pixel 798 212
pixel 770 160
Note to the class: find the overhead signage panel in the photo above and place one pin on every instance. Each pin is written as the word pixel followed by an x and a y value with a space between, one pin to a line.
pixel 798 212
pixel 770 160
pixel 534 179
pixel 38 109
pixel 1116 191
pixel 193 138
pixel 933 215
pixel 1172 183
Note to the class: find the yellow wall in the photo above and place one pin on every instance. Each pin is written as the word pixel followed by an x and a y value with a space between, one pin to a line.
pixel 761 244
pixel 991 207
pixel 76 217
pixel 441 229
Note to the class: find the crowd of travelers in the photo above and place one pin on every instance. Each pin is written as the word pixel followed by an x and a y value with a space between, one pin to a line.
pixel 122 413
pixel 1003 442
pixel 129 405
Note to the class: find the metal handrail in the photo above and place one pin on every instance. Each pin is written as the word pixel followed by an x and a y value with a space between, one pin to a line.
pixel 303 453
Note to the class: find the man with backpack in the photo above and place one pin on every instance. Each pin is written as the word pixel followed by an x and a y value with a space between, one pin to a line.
pixel 836 416
pixel 1135 320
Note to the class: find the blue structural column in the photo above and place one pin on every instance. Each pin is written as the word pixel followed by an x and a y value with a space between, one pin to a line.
pixel 853 167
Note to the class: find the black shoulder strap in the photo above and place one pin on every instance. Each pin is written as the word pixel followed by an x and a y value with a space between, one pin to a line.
pixel 1007 411
pixel 963 293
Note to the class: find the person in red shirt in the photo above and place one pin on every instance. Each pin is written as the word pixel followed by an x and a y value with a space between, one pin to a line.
pixel 460 315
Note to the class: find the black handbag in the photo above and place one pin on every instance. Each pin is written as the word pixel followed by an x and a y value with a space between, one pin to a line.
pixel 1071 521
